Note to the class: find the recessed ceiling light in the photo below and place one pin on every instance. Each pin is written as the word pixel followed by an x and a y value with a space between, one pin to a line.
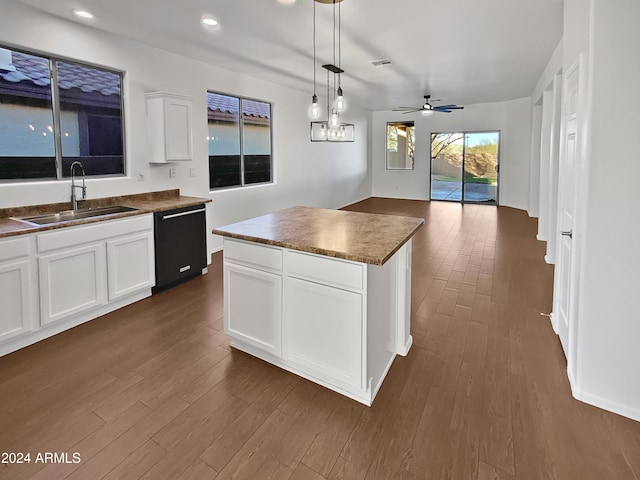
pixel 208 21
pixel 83 14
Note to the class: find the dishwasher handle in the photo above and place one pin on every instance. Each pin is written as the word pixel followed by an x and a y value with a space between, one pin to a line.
pixel 182 214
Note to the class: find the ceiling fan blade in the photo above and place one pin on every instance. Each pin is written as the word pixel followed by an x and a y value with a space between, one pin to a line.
pixel 442 110
pixel 439 109
pixel 412 111
pixel 444 106
pixel 399 109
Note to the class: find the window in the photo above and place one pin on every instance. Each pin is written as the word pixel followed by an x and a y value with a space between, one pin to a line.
pixel 53 113
pixel 239 145
pixel 401 141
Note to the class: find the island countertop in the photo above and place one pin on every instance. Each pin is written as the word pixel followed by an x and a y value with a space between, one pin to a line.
pixel 359 237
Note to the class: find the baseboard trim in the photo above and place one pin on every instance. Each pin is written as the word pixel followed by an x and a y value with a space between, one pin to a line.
pixel 549 260
pixel 541 238
pixel 355 201
pixel 605 404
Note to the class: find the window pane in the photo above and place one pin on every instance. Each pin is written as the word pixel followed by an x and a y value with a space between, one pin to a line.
pixel 224 140
pixel 256 141
pixel 401 140
pixel 90 119
pixel 27 147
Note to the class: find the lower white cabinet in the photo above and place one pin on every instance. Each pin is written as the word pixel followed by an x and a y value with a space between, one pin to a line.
pixel 72 281
pixel 17 296
pixel 90 266
pixel 323 332
pixel 130 264
pixel 56 279
pixel 253 307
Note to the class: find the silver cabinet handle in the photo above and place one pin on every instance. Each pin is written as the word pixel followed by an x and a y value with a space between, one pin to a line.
pixel 182 214
pixel 567 233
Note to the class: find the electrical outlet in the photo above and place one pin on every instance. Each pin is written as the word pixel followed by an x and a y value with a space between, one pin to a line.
pixel 140 175
pixel 172 172
pixel 193 172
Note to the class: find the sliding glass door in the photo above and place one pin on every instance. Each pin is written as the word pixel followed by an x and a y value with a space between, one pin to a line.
pixel 464 167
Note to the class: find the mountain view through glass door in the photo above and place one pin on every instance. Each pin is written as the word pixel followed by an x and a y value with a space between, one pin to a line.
pixel 473 153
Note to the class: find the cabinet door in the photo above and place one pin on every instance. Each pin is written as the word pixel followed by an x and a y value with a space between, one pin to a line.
pixel 71 282
pixel 130 265
pixel 15 299
pixel 177 129
pixel 323 332
pixel 253 307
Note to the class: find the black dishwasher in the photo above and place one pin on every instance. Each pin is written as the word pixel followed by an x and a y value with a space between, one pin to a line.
pixel 180 244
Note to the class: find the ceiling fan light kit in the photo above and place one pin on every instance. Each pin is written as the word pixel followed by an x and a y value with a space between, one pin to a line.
pixel 332 129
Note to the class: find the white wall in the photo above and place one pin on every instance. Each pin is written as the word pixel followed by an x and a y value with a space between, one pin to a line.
pixel 311 174
pixel 609 331
pixel 534 167
pixel 512 119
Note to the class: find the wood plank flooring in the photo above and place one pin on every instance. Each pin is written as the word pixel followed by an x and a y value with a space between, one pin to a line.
pixel 154 392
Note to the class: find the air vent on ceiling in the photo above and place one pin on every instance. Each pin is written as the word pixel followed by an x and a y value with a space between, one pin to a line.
pixel 381 62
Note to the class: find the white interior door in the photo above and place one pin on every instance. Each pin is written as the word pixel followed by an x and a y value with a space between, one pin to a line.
pixel 567 209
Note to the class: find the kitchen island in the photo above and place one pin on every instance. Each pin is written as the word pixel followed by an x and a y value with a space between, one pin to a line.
pixel 325 294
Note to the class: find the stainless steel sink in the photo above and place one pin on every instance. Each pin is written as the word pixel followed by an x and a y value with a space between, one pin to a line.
pixel 69 215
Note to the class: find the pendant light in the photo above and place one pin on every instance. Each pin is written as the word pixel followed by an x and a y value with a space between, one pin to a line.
pixel 332 129
pixel 315 109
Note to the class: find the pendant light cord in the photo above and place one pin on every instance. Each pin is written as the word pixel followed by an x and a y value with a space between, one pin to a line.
pixel 314 48
pixel 334 48
pixel 339 42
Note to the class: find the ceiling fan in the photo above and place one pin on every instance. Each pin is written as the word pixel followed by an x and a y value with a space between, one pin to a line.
pixel 428 109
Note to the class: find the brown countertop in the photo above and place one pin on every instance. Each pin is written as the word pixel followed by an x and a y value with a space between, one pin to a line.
pixel 145 203
pixel 360 237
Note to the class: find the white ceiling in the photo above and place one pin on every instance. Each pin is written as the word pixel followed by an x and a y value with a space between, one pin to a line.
pixel 460 51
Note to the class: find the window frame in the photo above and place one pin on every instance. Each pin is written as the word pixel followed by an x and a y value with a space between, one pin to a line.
pixel 386 145
pixel 56 113
pixel 243 184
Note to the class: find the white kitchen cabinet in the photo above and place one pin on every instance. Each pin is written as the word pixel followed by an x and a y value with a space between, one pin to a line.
pixel 336 322
pixel 17 300
pixel 57 279
pixel 253 307
pixel 130 264
pixel 72 281
pixel 323 332
pixel 169 124
pixel 91 266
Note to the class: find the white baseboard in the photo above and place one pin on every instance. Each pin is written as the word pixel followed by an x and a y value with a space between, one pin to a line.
pixel 609 405
pixel 215 250
pixel 549 260
pixel 541 238
pixel 355 201
pixel 52 329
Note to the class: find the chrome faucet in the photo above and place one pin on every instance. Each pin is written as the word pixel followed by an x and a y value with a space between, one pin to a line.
pixel 74 200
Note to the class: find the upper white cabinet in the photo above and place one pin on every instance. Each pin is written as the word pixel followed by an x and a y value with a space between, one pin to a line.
pixel 169 121
pixel 17 296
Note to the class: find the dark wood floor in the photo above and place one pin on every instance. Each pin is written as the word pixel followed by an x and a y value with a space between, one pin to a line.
pixel 153 390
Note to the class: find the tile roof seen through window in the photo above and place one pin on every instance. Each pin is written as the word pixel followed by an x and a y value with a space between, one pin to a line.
pixel 227 104
pixel 30 68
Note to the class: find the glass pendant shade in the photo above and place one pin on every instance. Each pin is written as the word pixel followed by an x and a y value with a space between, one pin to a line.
pixel 340 100
pixel 324 132
pixel 315 110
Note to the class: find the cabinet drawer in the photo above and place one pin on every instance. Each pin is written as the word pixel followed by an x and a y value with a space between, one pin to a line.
pixel 68 237
pixel 14 248
pixel 331 271
pixel 254 255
